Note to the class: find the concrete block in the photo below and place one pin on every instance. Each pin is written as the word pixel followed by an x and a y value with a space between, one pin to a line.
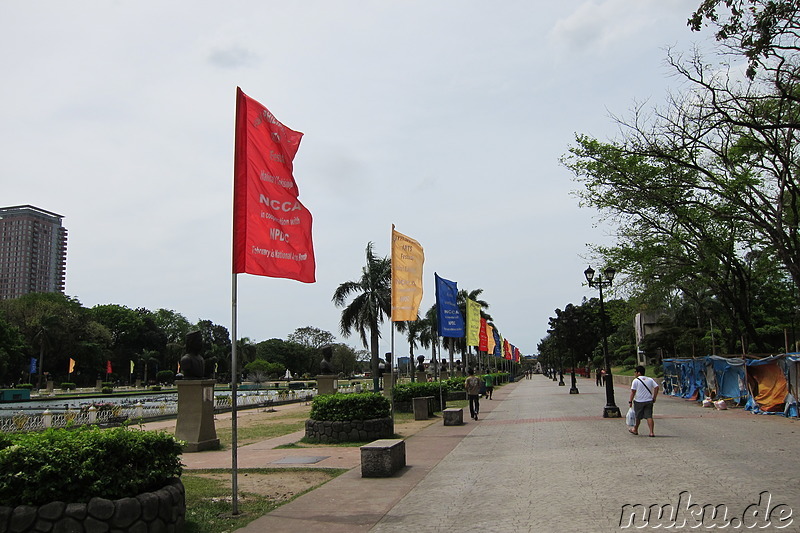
pixel 422 407
pixel 383 457
pixel 453 416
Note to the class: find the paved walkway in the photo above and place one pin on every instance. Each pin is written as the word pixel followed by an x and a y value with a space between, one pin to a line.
pixel 540 459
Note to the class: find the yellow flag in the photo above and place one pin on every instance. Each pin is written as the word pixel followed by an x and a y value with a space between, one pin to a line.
pixel 71 365
pixel 490 338
pixel 407 260
pixel 473 322
pixel 131 367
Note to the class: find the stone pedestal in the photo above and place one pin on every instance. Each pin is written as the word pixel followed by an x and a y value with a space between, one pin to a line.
pixel 421 376
pixel 444 375
pixel 422 407
pixel 327 384
pixel 99 385
pixel 195 423
pixel 388 383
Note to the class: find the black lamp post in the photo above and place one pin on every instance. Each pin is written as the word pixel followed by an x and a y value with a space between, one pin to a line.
pixel 610 410
pixel 574 388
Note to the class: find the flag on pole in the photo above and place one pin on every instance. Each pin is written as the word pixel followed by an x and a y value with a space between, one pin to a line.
pixel 71 365
pixel 473 322
pixel 483 336
pixel 448 315
pixel 271 227
pixel 108 367
pixel 506 349
pixel 32 368
pixel 407 260
pixel 131 367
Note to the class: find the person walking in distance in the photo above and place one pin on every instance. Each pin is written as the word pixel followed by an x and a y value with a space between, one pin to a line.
pixel 473 386
pixel 644 391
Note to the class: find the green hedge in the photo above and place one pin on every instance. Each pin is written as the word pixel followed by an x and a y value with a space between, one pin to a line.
pixel 75 465
pixel 404 392
pixel 66 385
pixel 454 383
pixel 361 406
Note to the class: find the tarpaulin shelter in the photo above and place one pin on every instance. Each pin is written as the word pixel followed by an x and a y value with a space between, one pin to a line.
pixel 685 377
pixel 767 383
pixel 728 377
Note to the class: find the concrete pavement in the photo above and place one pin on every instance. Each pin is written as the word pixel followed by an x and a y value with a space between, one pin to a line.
pixel 540 459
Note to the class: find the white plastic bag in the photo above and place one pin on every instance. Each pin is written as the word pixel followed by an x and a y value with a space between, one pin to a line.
pixel 630 418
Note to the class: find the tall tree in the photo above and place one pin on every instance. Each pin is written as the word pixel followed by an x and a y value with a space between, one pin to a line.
pixel 312 337
pixel 371 304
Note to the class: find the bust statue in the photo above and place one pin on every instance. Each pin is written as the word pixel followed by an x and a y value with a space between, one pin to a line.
pixel 325 366
pixel 421 363
pixel 193 365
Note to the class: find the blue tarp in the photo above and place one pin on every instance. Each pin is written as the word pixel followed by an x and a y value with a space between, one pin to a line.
pixel 685 377
pixel 729 375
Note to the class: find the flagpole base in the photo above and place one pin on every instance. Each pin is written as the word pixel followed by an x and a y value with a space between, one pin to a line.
pixel 611 411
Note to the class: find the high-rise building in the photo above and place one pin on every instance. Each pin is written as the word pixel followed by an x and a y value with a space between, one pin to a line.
pixel 33 251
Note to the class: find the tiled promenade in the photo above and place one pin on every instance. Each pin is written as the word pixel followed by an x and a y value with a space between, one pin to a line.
pixel 540 459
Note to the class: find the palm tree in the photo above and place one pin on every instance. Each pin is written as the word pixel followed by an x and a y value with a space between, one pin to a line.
pixel 429 333
pixel 147 357
pixel 371 304
pixel 46 330
pixel 413 329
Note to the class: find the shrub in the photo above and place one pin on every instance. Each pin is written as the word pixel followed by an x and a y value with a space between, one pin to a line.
pixel 109 384
pixel 75 465
pixel 629 363
pixel 107 390
pixel 454 383
pixel 165 376
pixel 28 386
pixel 404 392
pixel 361 406
pixel 155 387
pixel 66 385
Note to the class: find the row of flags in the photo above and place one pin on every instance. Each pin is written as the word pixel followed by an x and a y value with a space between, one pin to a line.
pixel 407 260
pixel 34 363
pixel 272 231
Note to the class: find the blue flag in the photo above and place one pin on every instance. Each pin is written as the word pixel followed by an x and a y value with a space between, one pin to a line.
pixel 448 315
pixel 32 369
pixel 498 349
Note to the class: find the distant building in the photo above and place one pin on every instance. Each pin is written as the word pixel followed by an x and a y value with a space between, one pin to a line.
pixel 646 323
pixel 33 251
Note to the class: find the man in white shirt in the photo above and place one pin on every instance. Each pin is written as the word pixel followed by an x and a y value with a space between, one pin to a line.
pixel 644 391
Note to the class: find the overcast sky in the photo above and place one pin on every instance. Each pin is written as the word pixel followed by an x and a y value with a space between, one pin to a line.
pixel 445 118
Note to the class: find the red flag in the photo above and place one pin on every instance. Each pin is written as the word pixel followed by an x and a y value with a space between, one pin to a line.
pixel 483 337
pixel 271 228
pixel 506 350
pixel 108 367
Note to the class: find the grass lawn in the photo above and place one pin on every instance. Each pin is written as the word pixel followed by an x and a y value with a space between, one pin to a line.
pixel 650 370
pixel 208 497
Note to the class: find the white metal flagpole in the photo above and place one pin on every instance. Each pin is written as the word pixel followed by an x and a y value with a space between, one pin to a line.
pixel 234 437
